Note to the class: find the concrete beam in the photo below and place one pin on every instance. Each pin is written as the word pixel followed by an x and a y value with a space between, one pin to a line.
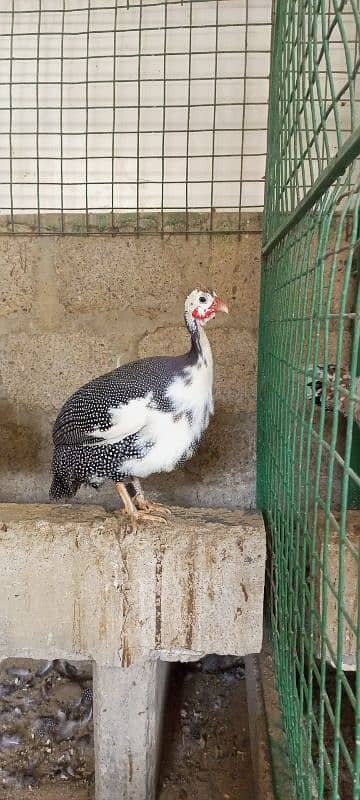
pixel 75 583
pixel 194 585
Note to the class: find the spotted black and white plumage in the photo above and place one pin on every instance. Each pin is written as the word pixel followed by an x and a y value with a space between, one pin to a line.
pixel 87 695
pixel 45 726
pixel 323 389
pixel 142 418
pixel 324 380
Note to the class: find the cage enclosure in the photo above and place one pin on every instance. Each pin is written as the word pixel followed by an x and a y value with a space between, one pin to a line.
pixel 133 141
pixel 133 116
pixel 132 167
pixel 308 435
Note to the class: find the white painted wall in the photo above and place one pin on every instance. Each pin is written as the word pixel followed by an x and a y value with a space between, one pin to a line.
pixel 91 128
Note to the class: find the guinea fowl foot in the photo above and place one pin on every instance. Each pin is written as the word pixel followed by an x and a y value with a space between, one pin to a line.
pixel 134 515
pixel 143 516
pixel 147 505
pixel 151 508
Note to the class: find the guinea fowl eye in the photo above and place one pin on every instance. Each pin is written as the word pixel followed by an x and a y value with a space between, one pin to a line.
pixel 202 299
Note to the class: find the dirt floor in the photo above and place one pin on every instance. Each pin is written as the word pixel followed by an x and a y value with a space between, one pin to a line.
pixel 46 737
pixel 207 725
pixel 347 731
pixel 46 740
pixel 50 791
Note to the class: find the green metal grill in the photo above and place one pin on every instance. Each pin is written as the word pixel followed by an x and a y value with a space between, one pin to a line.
pixel 308 412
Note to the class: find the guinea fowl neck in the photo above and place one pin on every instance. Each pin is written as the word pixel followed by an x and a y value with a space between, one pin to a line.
pixel 199 340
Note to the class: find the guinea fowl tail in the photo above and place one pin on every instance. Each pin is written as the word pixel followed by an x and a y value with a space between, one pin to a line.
pixel 60 488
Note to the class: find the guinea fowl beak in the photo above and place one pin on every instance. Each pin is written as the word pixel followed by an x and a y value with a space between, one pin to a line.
pixel 219 305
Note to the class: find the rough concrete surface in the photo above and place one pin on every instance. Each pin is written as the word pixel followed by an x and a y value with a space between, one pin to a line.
pixel 259 743
pixel 38 370
pixel 16 291
pixel 128 703
pixel 329 555
pixel 194 584
pixel 73 308
pixel 130 602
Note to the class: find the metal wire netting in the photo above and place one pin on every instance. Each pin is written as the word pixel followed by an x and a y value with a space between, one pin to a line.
pixel 132 115
pixel 309 390
pixel 316 109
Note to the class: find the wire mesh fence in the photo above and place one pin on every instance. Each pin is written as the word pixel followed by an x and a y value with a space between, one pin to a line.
pixel 309 389
pixel 132 115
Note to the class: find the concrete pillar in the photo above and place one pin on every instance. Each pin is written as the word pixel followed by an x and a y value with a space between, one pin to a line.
pixel 128 709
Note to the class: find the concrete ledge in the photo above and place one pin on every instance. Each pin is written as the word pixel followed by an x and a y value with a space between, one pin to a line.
pixel 350 598
pixel 76 583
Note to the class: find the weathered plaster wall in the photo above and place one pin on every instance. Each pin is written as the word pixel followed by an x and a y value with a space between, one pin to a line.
pixel 72 308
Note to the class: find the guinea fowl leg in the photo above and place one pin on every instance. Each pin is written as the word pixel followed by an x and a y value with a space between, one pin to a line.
pixel 147 505
pixel 134 515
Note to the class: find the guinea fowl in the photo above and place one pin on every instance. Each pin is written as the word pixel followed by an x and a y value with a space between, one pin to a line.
pixel 142 418
pixel 325 390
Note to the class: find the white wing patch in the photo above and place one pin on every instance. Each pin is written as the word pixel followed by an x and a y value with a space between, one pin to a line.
pixel 127 419
pixel 169 439
pixel 174 434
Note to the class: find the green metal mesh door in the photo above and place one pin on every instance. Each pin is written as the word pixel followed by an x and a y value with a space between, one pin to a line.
pixel 309 388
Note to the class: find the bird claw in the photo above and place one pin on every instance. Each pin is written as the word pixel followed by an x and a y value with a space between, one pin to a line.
pixel 140 510
pixel 143 516
pixel 149 507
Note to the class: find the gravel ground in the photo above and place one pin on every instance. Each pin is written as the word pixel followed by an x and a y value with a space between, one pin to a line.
pixel 46 738
pixel 207 725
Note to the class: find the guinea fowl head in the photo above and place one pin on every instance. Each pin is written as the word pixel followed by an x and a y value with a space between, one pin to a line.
pixel 202 305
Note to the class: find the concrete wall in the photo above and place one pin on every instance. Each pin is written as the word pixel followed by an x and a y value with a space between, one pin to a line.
pixel 73 308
